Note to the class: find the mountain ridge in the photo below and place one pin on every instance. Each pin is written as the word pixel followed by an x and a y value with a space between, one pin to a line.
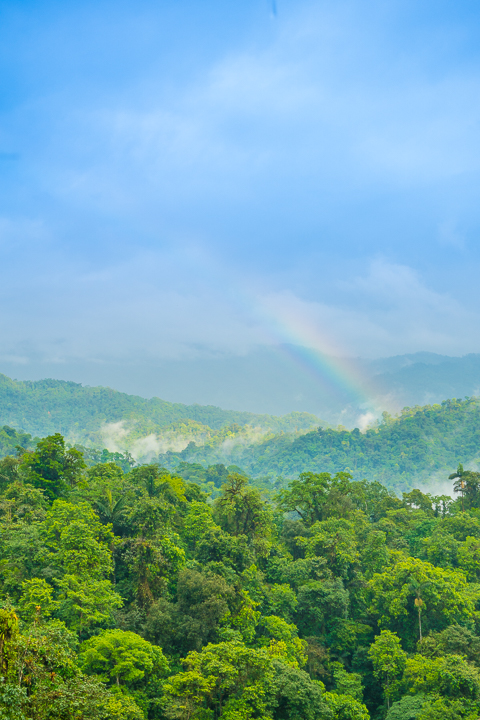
pixel 42 407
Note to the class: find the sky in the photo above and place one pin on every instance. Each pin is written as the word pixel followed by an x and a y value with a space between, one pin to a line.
pixel 183 180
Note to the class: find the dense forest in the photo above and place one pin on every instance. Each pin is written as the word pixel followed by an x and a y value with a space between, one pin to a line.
pixel 79 413
pixel 417 447
pixel 127 592
pixel 420 445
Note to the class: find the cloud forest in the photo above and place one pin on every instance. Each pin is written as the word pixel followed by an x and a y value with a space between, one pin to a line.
pixel 239 360
pixel 132 591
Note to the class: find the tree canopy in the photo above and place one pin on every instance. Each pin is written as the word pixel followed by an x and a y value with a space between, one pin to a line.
pixel 131 592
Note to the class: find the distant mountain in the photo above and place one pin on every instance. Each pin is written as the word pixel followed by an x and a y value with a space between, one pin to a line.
pixel 398 362
pixel 421 445
pixel 266 382
pixel 276 381
pixel 429 380
pixel 105 417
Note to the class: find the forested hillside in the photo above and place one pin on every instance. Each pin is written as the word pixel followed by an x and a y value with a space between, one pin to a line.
pixel 128 594
pixel 420 444
pixel 48 406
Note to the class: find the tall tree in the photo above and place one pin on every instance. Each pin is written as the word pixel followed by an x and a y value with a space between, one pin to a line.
pixel 388 661
pixel 51 467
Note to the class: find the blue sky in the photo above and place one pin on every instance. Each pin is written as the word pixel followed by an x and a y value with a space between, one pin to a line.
pixel 190 179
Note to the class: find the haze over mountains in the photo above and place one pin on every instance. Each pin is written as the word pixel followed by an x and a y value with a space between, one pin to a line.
pixel 278 381
pixel 420 446
pixel 423 445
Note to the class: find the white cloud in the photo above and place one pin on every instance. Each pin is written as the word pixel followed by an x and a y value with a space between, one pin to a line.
pixel 319 107
pixel 311 103
pixel 387 311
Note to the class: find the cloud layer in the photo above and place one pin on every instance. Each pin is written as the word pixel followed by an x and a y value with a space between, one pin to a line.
pixel 172 180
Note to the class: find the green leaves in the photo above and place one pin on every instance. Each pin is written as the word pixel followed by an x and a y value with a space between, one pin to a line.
pixel 122 658
pixel 446 595
pixel 227 679
pixel 37 599
pixel 51 467
pixel 450 676
pixel 240 510
pixel 85 603
pixel 249 611
pixel 388 661
pixel 333 539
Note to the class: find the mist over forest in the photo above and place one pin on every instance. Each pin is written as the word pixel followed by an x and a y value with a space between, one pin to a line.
pixel 191 562
pixel 239 360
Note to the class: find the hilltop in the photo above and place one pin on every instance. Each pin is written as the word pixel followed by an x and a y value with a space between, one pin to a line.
pixel 96 415
pixel 279 380
pixel 419 445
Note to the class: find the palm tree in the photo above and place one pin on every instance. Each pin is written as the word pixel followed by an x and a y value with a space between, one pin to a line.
pixel 418 588
pixel 110 508
pixel 459 476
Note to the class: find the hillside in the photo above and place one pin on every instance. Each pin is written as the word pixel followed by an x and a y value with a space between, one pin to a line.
pixel 279 380
pixel 81 413
pixel 421 445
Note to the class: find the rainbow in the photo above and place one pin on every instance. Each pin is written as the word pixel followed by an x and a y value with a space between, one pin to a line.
pixel 300 339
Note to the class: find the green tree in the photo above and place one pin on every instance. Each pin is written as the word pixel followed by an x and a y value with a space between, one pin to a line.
pixel 468 558
pixel 438 707
pixel 198 521
pixel 202 605
pixel 345 707
pixel 36 599
pixel 51 467
pixel 467 483
pixel 293 695
pixel 333 539
pixel 78 542
pixel 312 494
pixel 41 679
pixel 281 600
pixel 418 588
pixel 388 661
pixel 439 548
pixel 347 683
pixel 86 602
pixel 450 676
pixel 417 499
pixel 446 597
pixel 454 640
pixel 154 564
pixel 78 554
pixel 122 658
pixel 227 680
pixel 240 509
pixel 408 708
pixel 217 474
pixel 9 472
pixel 374 553
pixel 323 611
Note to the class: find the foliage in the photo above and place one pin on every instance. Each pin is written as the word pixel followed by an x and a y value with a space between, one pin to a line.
pixel 447 598
pixel 420 443
pixel 121 657
pixel 388 661
pixel 128 592
pixel 43 407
